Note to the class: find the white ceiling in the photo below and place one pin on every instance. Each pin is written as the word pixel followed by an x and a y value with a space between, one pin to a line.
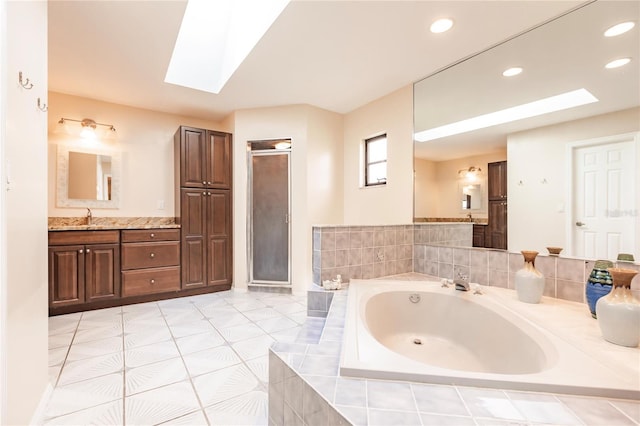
pixel 561 56
pixel 337 55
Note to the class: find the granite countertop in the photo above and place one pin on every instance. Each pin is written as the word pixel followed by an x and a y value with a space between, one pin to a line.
pixel 100 223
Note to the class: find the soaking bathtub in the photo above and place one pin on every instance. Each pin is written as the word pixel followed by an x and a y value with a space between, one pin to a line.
pixel 420 331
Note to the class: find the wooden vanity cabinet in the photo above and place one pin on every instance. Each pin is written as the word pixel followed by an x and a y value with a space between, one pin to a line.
pixel 203 157
pixel 150 261
pixel 496 236
pixel 84 266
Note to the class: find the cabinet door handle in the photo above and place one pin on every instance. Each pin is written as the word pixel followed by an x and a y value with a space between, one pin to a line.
pixel 88 250
pixel 204 183
pixel 80 251
pixel 152 235
pixel 209 183
pixel 152 281
pixel 152 255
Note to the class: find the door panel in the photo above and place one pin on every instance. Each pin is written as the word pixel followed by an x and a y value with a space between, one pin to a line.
pixel 218 237
pixel 193 237
pixel 604 209
pixel 66 275
pixel 102 275
pixel 219 160
pixel 270 217
pixel 193 157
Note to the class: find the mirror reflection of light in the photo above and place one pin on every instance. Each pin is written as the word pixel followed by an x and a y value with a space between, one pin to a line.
pixel 512 72
pixel 618 29
pixel 560 102
pixel 441 25
pixel 618 63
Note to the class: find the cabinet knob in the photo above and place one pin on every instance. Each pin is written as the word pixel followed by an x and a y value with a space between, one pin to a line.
pixel 209 183
pixel 80 251
pixel 152 281
pixel 152 255
pixel 152 235
pixel 88 250
pixel 204 183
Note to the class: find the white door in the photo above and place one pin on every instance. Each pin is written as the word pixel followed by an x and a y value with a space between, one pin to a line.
pixel 604 199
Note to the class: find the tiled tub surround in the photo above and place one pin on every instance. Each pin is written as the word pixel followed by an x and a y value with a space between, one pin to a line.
pixel 98 222
pixel 298 373
pixel 366 252
pixel 565 278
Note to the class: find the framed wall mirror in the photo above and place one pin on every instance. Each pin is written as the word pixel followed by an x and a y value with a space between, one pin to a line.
pixel 565 56
pixel 87 178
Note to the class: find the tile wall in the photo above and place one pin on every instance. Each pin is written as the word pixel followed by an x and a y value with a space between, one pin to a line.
pixel 376 251
pixel 565 278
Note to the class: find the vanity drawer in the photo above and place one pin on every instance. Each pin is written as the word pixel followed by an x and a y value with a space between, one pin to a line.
pixel 63 238
pixel 150 255
pixel 149 281
pixel 140 235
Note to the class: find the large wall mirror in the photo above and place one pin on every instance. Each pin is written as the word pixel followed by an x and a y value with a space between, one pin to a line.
pixel 87 178
pixel 572 176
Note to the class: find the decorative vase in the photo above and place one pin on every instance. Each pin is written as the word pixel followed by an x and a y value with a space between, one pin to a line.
pixel 599 284
pixel 528 280
pixel 619 312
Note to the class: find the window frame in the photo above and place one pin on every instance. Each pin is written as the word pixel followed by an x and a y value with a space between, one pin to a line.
pixel 367 163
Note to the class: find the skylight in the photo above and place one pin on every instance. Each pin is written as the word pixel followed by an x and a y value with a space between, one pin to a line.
pixel 215 37
pixel 532 109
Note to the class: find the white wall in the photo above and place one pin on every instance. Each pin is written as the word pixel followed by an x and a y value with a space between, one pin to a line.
pixel 24 212
pixel 145 140
pixel 391 203
pixel 426 188
pixel 315 134
pixel 537 210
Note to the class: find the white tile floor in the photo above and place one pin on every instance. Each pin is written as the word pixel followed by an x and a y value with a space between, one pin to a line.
pixel 198 360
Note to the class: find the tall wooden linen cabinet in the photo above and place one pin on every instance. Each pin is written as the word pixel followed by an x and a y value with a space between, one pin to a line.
pixel 203 168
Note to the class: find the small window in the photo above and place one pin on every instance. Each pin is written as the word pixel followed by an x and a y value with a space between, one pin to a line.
pixel 375 167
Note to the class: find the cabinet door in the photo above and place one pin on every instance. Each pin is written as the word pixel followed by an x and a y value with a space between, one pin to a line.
pixel 66 275
pixel 218 160
pixel 102 271
pixel 193 157
pixel 219 251
pixel 497 237
pixel 497 180
pixel 193 215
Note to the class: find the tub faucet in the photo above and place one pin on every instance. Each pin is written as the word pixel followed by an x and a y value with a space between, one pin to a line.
pixel 89 216
pixel 462 282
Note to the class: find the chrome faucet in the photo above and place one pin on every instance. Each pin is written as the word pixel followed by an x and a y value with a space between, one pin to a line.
pixel 89 216
pixel 470 217
pixel 462 282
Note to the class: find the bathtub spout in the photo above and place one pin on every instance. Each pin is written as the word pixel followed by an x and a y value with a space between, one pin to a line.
pixel 462 282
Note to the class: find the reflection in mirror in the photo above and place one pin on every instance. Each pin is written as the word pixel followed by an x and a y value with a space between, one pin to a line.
pixel 543 179
pixel 471 196
pixel 87 178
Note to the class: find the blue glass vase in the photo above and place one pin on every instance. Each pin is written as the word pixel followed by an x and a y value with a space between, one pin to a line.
pixel 599 284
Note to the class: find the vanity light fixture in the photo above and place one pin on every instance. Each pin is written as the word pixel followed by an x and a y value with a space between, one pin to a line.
pixel 470 173
pixel 620 28
pixel 510 72
pixel 618 63
pixel 88 126
pixel 441 25
pixel 555 103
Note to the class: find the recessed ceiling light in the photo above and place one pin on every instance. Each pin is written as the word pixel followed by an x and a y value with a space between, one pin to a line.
pixel 441 25
pixel 618 63
pixel 512 71
pixel 619 29
pixel 532 109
